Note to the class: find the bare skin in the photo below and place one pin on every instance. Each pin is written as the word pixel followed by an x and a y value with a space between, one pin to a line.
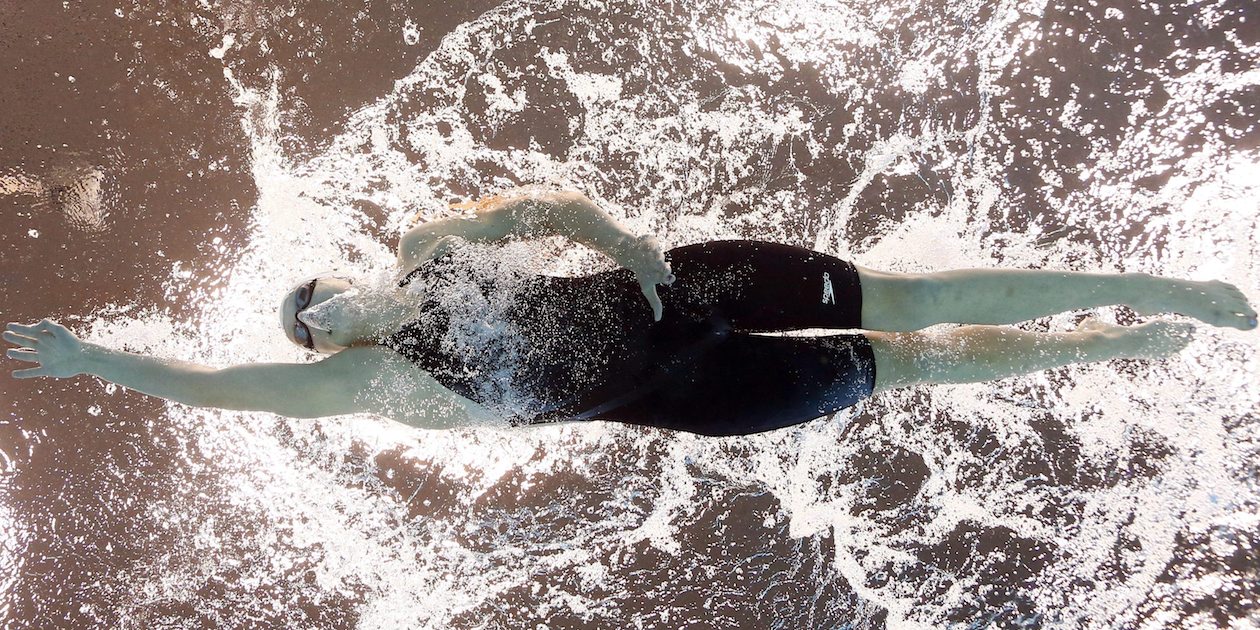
pixel 1212 301
pixel 350 379
pixel 979 353
pixel 893 306
pixel 905 302
pixel 1152 340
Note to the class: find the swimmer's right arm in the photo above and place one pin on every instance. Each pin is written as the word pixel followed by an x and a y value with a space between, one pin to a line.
pixel 290 389
pixel 333 386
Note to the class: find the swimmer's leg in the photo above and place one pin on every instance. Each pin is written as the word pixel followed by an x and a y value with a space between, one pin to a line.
pixel 905 302
pixel 971 354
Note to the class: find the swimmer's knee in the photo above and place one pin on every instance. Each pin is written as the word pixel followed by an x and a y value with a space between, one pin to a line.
pixel 899 359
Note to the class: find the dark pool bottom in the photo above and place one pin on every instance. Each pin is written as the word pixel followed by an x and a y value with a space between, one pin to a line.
pixel 595 353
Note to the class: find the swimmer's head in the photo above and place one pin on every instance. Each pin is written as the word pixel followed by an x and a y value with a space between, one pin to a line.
pixel 321 336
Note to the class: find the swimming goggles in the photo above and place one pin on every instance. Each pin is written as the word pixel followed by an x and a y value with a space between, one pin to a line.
pixel 300 332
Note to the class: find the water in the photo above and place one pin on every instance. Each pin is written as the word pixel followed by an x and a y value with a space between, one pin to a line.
pixel 206 156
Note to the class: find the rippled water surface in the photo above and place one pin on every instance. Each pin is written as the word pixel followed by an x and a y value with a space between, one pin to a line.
pixel 169 169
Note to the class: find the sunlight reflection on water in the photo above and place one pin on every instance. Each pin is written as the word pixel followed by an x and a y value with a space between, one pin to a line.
pixel 906 137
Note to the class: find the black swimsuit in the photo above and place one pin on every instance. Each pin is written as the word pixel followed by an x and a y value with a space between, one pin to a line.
pixel 588 348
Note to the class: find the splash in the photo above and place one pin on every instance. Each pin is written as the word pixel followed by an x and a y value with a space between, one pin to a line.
pixel 908 137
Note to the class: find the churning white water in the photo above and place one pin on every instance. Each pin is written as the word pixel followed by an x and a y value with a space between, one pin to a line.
pixel 905 136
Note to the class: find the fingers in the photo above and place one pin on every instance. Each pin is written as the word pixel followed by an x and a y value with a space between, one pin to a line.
pixel 20 340
pixel 28 337
pixel 43 326
pixel 29 372
pixel 30 356
pixel 25 330
pixel 45 330
pixel 649 290
pixel 649 264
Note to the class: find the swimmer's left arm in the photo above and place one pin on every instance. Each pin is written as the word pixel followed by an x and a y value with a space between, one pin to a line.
pixel 574 216
pixel 570 214
pixel 579 219
pixel 494 220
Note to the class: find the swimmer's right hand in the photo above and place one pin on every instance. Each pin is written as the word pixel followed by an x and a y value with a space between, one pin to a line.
pixel 643 255
pixel 55 350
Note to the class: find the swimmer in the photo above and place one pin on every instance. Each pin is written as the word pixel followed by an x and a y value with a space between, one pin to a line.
pixel 666 340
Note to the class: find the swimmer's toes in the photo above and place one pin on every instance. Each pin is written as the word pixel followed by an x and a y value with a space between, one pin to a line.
pixel 1241 321
pixel 1242 314
pixel 1214 302
pixel 1224 305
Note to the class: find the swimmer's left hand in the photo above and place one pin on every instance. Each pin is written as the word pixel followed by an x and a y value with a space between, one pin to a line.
pixel 643 255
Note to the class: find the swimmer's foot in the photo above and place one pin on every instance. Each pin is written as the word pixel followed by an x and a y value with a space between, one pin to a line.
pixel 1152 340
pixel 1213 301
pixel 1093 323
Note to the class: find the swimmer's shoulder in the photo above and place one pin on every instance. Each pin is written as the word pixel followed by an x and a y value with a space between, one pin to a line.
pixel 383 382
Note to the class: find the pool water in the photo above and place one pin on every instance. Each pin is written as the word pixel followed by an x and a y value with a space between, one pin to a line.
pixel 169 170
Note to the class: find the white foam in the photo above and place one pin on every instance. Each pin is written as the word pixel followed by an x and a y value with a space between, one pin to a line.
pixel 994 453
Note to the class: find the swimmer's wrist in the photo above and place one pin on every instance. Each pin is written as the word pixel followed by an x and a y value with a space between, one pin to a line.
pixel 103 361
pixel 624 250
pixel 90 359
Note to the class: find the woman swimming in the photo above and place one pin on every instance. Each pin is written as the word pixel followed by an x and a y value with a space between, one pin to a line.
pixel 588 348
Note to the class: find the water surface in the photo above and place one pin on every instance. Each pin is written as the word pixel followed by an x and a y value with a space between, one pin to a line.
pixel 167 170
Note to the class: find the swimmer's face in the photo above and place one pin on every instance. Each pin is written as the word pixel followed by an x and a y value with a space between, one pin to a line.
pixel 325 288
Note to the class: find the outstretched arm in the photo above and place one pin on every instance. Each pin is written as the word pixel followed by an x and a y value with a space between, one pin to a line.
pixel 290 389
pixel 533 215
